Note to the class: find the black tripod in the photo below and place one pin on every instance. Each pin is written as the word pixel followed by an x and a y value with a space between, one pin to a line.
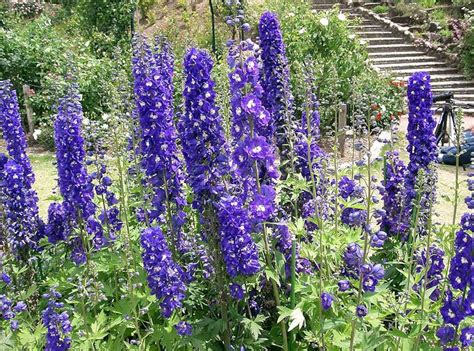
pixel 448 116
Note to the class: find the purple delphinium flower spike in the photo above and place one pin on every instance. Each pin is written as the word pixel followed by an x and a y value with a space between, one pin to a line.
pixel 393 222
pixel 434 274
pixel 74 182
pixel 275 78
pixel 421 147
pixel 165 277
pixel 153 87
pixel 239 250
pixel 206 158
pixel 14 135
pixel 19 226
pixel 459 298
pixel 57 323
pixel 201 131
pixel 349 190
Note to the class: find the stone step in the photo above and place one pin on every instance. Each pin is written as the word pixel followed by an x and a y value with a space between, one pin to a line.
pixel 403 59
pixel 456 82
pixel 434 71
pixel 390 47
pixel 367 27
pixel 322 7
pixel 468 90
pixel 468 110
pixel 389 54
pixel 384 40
pixel 446 80
pixel 373 34
pixel 465 97
pixel 372 4
pixel 417 65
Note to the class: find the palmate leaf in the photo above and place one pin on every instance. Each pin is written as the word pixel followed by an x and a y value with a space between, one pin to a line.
pixel 297 319
pixel 254 325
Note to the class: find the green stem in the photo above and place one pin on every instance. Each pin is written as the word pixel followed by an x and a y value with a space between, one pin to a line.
pixel 425 278
pixel 365 232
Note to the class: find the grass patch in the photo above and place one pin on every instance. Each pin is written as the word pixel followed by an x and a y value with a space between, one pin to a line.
pixel 45 184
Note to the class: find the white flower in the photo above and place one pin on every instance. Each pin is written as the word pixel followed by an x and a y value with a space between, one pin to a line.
pixel 324 21
pixel 86 121
pixel 36 134
pixel 352 36
pixel 362 42
pixel 105 116
pixel 341 16
pixel 302 31
pixel 291 14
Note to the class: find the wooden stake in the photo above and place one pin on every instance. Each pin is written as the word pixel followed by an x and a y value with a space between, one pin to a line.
pixel 341 124
pixel 29 109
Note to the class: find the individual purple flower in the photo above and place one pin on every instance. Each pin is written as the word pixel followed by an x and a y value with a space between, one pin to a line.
pixel 453 309
pixel 275 78
pixel 236 291
pixel 343 285
pixel 262 206
pixel 353 255
pixel 164 276
pixel 361 311
pixel 160 161
pixel 57 324
pixel 445 334
pixel 378 239
pixel 184 328
pixel 467 336
pixel 347 187
pixel 421 147
pixel 238 248
pixel 369 283
pixel 393 196
pixel 6 278
pixel 326 301
pixel 20 307
pixel 14 324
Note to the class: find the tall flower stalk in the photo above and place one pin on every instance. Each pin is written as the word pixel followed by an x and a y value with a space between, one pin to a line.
pixel 254 156
pixel 24 226
pixel 205 152
pixel 74 182
pixel 275 80
pixel 421 147
pixel 153 87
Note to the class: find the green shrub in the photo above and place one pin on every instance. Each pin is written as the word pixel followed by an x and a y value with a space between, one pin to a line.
pixel 38 53
pixel 426 3
pixel 381 9
pixel 467 56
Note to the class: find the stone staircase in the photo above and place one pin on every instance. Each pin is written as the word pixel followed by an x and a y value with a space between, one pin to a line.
pixel 392 53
